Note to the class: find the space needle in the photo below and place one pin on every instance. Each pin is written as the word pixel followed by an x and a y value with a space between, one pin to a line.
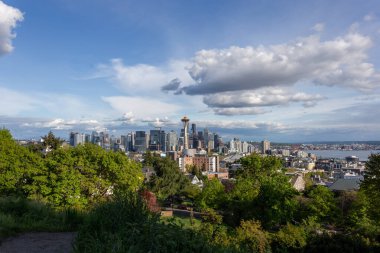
pixel 185 121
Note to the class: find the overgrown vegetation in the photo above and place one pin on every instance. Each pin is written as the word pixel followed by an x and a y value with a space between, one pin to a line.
pixel 102 193
pixel 18 214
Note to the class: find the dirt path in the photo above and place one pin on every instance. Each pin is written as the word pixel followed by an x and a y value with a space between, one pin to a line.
pixel 39 242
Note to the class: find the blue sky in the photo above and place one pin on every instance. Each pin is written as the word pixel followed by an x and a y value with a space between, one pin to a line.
pixel 292 71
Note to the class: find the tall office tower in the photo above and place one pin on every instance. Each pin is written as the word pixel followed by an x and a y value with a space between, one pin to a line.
pixel 131 142
pixel 185 120
pixel 72 136
pixel 141 141
pixel 265 146
pixel 206 137
pixel 244 147
pixel 194 129
pixel 95 138
pixel 172 141
pixel 76 139
pixel 194 135
pixel 87 138
pixel 238 145
pixel 157 140
pixel 124 141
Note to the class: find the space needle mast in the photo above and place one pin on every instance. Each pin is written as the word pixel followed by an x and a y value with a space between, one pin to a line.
pixel 185 121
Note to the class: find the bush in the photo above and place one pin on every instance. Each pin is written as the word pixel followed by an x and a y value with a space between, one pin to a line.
pixel 18 214
pixel 126 225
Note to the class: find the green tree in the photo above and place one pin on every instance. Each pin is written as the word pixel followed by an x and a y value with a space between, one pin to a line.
pixel 212 195
pixel 51 142
pixel 169 180
pixel 371 185
pixel 82 175
pixel 239 202
pixel 17 165
pixel 276 203
pixel 323 205
pixel 289 238
pixel 255 165
pixel 250 237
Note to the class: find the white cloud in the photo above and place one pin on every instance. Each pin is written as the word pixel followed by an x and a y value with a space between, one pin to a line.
pixel 16 103
pixel 141 107
pixel 319 27
pixel 262 97
pixel 341 61
pixel 239 111
pixel 13 102
pixel 9 16
pixel 369 17
pixel 143 79
pixel 61 124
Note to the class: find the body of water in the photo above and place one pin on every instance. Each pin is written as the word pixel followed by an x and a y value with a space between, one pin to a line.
pixel 362 154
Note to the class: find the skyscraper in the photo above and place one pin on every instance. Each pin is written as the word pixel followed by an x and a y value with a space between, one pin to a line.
pixel 265 146
pixel 141 141
pixel 157 140
pixel 172 141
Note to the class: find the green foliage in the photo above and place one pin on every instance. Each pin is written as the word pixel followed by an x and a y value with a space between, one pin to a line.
pixel 359 218
pixel 18 214
pixel 125 225
pixel 255 165
pixel 194 170
pixel 84 175
pixel 169 180
pixel 340 243
pixel 240 201
pixel 323 205
pixel 212 195
pixel 289 238
pixel 276 203
pixel 17 165
pixel 250 237
pixel 73 177
pixel 51 142
pixel 371 185
pixel 191 191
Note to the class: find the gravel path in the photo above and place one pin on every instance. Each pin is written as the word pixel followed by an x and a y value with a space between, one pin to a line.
pixel 39 242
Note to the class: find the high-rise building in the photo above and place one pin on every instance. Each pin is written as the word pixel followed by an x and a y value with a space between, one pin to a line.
pixel 244 147
pixel 172 141
pixel 130 146
pixel 157 140
pixel 76 139
pixel 194 135
pixel 141 141
pixel 265 146
pixel 206 137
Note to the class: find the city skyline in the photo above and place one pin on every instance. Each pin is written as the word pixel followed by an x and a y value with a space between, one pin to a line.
pixel 286 72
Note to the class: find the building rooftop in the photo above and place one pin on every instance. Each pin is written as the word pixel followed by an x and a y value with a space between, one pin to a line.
pixel 345 185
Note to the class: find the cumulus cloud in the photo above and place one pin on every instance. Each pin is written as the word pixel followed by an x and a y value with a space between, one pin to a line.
pixel 9 17
pixel 239 111
pixel 143 79
pixel 62 124
pixel 319 27
pixel 341 61
pixel 173 85
pixel 264 97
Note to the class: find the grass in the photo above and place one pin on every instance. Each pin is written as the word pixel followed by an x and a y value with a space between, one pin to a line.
pixel 182 222
pixel 18 214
